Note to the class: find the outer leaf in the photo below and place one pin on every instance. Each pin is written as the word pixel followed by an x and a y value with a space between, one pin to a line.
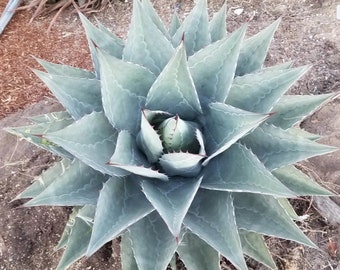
pixel 149 141
pixel 213 67
pixel 196 254
pixel 124 87
pixel 211 217
pixel 127 256
pixel 259 92
pixel 98 38
pixel 299 182
pixel 277 148
pixel 116 210
pixel 292 109
pixel 150 11
pixel 254 50
pixel 285 65
pixel 195 29
pixel 224 125
pixel 65 70
pixel 79 96
pixel 174 24
pixel 285 204
pixel 254 246
pixel 174 90
pixel 51 117
pixel 67 230
pixel 184 164
pixel 239 170
pixel 146 44
pixel 42 181
pixel 303 133
pixel 79 237
pixel 79 184
pixel 128 157
pixel 217 26
pixel 263 214
pixel 92 140
pixel 152 243
pixel 172 199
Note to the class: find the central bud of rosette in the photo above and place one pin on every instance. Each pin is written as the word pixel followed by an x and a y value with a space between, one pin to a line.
pixel 170 143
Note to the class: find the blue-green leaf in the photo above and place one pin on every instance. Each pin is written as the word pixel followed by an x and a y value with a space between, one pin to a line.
pixel 184 164
pixel 150 12
pixel 79 96
pixel 259 92
pixel 296 131
pixel 117 210
pixel 124 88
pixel 50 117
pixel 92 140
pixel 98 38
pixel 263 214
pixel 197 254
pixel 79 237
pixel 213 67
pixel 277 148
pixel 217 26
pixel 127 256
pixel 152 243
pixel 211 217
pixel 292 109
pixel 174 90
pixel 285 65
pixel 68 227
pixel 128 157
pixel 174 24
pixel 224 125
pixel 253 245
pixel 149 141
pixel 195 28
pixel 299 182
pixel 146 45
pixel 254 50
pixel 79 184
pixel 285 204
pixel 172 199
pixel 239 170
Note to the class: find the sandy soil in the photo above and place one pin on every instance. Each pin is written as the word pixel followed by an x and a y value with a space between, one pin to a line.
pixel 309 34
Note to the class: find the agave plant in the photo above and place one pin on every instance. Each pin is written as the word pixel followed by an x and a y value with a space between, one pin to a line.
pixel 180 141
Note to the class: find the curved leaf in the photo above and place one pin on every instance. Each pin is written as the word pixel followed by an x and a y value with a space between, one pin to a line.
pixel 124 87
pixel 239 170
pixel 211 217
pixel 174 90
pixel 217 26
pixel 277 148
pixel 150 11
pixel 50 117
pixel 174 24
pixel 127 257
pixel 259 92
pixel 213 67
pixel 116 210
pixel 146 45
pixel 172 199
pixel 263 214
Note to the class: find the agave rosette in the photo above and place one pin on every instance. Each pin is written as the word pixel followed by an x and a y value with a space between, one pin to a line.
pixel 179 141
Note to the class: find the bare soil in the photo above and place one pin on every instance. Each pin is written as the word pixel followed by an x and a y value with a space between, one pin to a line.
pixel 309 34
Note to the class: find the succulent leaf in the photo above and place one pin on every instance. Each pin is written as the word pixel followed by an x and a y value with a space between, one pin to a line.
pixel 254 50
pixel 289 209
pixel 79 237
pixel 174 24
pixel 116 210
pixel 67 230
pixel 254 246
pixel 224 125
pixel 303 133
pixel 79 96
pixel 217 25
pixel 277 148
pixel 259 92
pixel 146 45
pixel 195 29
pixel 264 214
pixel 124 87
pixel 127 256
pixel 299 182
pixel 79 184
pixel 152 243
pixel 213 67
pixel 285 65
pixel 211 217
pixel 196 254
pixel 172 199
pixel 239 170
pixel 50 117
pixel 92 140
pixel 174 90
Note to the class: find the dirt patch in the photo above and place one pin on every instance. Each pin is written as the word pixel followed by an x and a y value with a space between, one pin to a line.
pixel 309 34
